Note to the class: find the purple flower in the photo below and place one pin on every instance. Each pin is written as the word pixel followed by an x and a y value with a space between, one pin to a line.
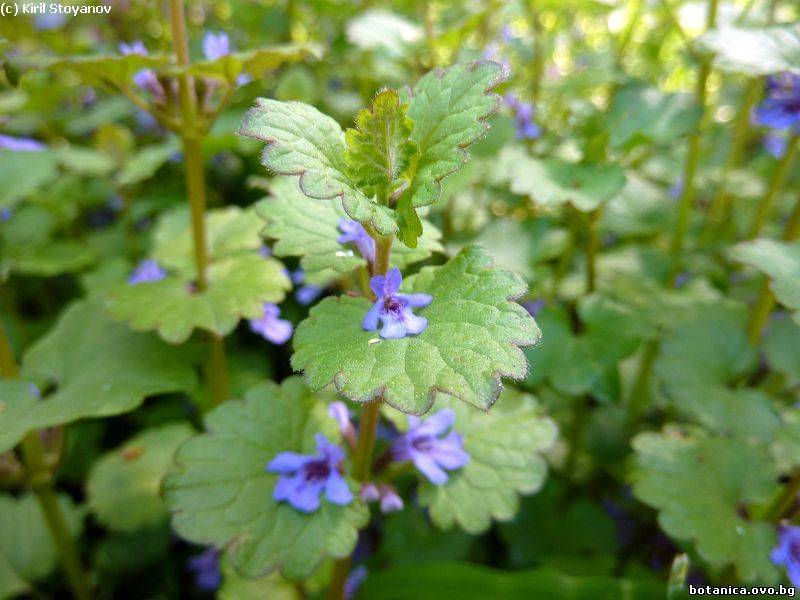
pixel 270 327
pixel 431 454
pixel 534 306
pixel 303 477
pixel 20 144
pixel 393 309
pixel 5 214
pixel 49 21
pixel 265 251
pixel 675 191
pixel 353 231
pixel 523 116
pixel 305 294
pixel 781 108
pixel 146 78
pixel 147 271
pixel 205 567
pixel 389 499
pixel 216 45
pixel 775 144
pixel 787 552
pixel 354 581
pixel 338 410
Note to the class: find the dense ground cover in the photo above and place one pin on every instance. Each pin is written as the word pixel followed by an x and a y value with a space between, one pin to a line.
pixel 399 299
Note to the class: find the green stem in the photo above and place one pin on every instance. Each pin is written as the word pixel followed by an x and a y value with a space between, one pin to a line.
pixel 429 19
pixel 592 242
pixel 216 370
pixel 580 420
pixel 537 65
pixel 40 480
pixel 784 500
pixel 637 400
pixel 692 158
pixel 775 186
pixel 766 301
pixel 719 207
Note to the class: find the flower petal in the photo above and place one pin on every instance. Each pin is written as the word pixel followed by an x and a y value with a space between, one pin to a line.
pixel 370 322
pixel 287 462
pixel 428 467
pixel 336 489
pixel 392 282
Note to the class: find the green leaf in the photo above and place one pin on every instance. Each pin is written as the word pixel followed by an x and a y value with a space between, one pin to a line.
pixel 309 229
pixel 229 503
pixel 640 114
pixel 780 261
pixel 114 71
pixel 383 30
pixel 378 149
pixel 22 173
pixel 256 63
pixel 756 51
pixel 237 288
pixel 27 552
pixel 554 181
pixel 782 347
pixel 99 368
pixel 467 581
pixel 504 462
pixel 124 485
pixel 230 231
pixel 699 484
pixel 146 162
pixel 472 339
pixel 449 108
pixel 236 587
pixel 302 141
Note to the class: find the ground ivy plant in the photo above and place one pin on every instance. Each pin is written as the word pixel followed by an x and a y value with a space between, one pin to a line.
pixel 434 344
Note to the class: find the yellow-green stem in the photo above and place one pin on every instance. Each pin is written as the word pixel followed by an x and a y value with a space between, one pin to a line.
pixel 776 184
pixel 537 64
pixel 692 158
pixel 637 400
pixel 40 481
pixel 216 371
pixel 592 243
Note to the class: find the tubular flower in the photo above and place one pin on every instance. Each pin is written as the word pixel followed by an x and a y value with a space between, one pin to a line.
pixel 395 310
pixel 353 231
pixel 147 271
pixel 271 327
pixel 781 108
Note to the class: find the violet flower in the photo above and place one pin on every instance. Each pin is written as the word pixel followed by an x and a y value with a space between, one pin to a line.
pixel 15 144
pixel 205 567
pixel 216 45
pixel 534 306
pixel 304 477
pixel 394 309
pixel 390 501
pixel 432 454
pixel 49 21
pixel 339 411
pixel 354 581
pixel 146 78
pixel 353 231
pixel 675 191
pixel 523 117
pixel 781 108
pixel 147 271
pixel 305 294
pixel 5 214
pixel 787 552
pixel 271 327
pixel 775 144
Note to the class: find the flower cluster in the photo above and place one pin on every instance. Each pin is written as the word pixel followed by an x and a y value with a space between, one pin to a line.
pixel 388 498
pixel 394 309
pixel 303 478
pixel 431 453
pixel 146 78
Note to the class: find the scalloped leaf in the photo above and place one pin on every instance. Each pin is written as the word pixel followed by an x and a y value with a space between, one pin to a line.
pixel 504 462
pixel 221 493
pixel 780 261
pixel 124 486
pixel 99 368
pixel 449 108
pixel 699 485
pixel 300 140
pixel 309 229
pixel 27 551
pixel 473 338
pixel 554 181
pixel 238 287
pixel 755 51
